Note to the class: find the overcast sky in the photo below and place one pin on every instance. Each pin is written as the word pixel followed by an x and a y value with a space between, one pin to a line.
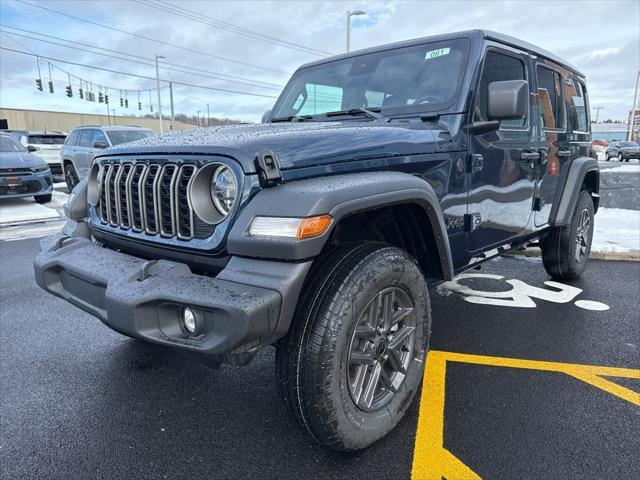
pixel 601 38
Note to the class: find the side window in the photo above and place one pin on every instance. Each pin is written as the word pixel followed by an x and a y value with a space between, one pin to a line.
pixel 320 98
pixel 86 138
pixel 498 67
pixel 550 98
pixel 72 139
pixel 577 113
pixel 98 136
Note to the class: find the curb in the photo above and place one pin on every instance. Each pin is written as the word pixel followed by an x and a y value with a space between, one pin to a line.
pixel 630 256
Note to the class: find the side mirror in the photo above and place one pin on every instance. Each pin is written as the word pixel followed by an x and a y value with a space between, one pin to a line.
pixel 32 148
pixel 99 144
pixel 508 100
pixel 266 115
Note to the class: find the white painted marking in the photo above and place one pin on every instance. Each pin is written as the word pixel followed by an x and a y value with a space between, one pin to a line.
pixel 591 305
pixel 520 295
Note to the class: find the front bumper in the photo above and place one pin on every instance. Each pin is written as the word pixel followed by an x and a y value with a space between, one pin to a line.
pixel 40 183
pixel 240 310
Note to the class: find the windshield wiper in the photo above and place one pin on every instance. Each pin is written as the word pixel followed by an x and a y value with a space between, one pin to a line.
pixel 356 111
pixel 292 118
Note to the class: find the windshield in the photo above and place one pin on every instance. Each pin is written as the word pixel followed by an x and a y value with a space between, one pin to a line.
pixel 46 139
pixel 409 79
pixel 118 137
pixel 628 144
pixel 8 144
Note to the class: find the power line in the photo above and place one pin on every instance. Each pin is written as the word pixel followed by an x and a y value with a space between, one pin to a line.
pixel 198 17
pixel 214 76
pixel 140 76
pixel 161 42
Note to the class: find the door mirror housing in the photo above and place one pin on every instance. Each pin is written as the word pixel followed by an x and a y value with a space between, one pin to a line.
pixel 32 148
pixel 100 145
pixel 266 115
pixel 508 100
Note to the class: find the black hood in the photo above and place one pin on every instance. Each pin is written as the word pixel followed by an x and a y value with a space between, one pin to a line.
pixel 20 160
pixel 298 144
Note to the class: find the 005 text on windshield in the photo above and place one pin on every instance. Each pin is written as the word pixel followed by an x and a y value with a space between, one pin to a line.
pixel 419 78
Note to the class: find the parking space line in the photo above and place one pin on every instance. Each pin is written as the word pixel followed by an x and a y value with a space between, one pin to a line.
pixel 431 461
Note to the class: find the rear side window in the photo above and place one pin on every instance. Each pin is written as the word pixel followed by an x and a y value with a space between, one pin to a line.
pixel 550 98
pixel 72 139
pixel 86 138
pixel 498 67
pixel 47 139
pixel 577 113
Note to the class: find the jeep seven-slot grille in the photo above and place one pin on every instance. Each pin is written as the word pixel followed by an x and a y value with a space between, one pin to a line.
pixel 150 198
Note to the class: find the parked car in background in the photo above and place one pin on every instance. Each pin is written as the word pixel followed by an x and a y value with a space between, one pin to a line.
pixel 45 145
pixel 623 151
pixel 23 174
pixel 84 143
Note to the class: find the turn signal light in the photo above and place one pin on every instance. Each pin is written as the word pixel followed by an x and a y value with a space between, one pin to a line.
pixel 314 226
pixel 290 227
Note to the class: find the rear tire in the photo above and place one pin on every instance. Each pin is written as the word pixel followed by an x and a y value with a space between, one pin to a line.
pixel 565 250
pixel 620 159
pixel 70 176
pixel 344 385
pixel 43 198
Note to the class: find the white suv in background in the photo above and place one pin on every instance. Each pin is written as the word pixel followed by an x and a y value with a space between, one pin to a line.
pixel 84 143
pixel 45 145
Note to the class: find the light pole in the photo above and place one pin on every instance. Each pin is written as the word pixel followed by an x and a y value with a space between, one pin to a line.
pixel 208 117
pixel 198 117
pixel 632 119
pixel 351 13
pixel 597 109
pixel 158 85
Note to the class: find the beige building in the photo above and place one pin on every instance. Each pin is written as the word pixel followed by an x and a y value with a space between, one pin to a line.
pixel 17 119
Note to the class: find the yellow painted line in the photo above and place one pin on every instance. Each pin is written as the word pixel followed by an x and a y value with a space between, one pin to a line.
pixel 431 461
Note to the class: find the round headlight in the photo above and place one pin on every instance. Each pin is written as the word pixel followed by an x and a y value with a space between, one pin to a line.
pixel 223 189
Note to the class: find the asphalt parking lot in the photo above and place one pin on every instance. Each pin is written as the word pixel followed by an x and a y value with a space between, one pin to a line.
pixel 513 390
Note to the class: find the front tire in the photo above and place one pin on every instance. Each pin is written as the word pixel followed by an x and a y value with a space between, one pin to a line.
pixel 620 159
pixel 70 176
pixel 353 359
pixel 565 250
pixel 43 198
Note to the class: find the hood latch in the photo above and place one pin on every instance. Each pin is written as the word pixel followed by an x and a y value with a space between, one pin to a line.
pixel 268 169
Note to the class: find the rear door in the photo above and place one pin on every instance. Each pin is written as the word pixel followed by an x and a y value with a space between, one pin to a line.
pixel 502 176
pixel 564 131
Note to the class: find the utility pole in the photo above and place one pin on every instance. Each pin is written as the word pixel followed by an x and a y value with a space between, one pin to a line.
pixel 351 13
pixel 113 111
pixel 108 116
pixel 208 117
pixel 158 86
pixel 173 118
pixel 597 109
pixel 632 119
pixel 198 117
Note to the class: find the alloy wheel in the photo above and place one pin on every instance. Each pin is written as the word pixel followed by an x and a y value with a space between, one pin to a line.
pixel 582 236
pixel 381 349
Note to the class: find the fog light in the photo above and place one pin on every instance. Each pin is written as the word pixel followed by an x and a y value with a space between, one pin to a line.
pixel 189 320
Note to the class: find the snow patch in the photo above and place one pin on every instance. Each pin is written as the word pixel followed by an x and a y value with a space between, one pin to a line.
pixel 616 230
pixel 24 210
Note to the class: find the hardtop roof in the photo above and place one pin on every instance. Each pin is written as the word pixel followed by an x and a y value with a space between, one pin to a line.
pixel 473 35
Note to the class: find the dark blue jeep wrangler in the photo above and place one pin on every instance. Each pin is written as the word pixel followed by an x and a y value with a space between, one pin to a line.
pixel 318 231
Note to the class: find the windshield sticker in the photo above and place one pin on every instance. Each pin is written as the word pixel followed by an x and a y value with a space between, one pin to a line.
pixel 437 53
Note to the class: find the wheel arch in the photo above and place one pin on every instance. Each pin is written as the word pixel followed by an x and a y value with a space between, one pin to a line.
pixel 349 199
pixel 582 174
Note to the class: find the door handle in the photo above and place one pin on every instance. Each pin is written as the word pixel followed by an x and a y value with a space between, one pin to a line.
pixel 530 156
pixel 563 153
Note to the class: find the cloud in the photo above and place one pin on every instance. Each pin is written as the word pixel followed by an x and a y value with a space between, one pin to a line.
pixel 608 55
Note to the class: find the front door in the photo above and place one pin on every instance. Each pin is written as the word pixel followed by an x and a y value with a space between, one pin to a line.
pixel 502 168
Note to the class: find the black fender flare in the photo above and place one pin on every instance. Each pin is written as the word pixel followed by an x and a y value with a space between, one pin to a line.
pixel 562 210
pixel 338 196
